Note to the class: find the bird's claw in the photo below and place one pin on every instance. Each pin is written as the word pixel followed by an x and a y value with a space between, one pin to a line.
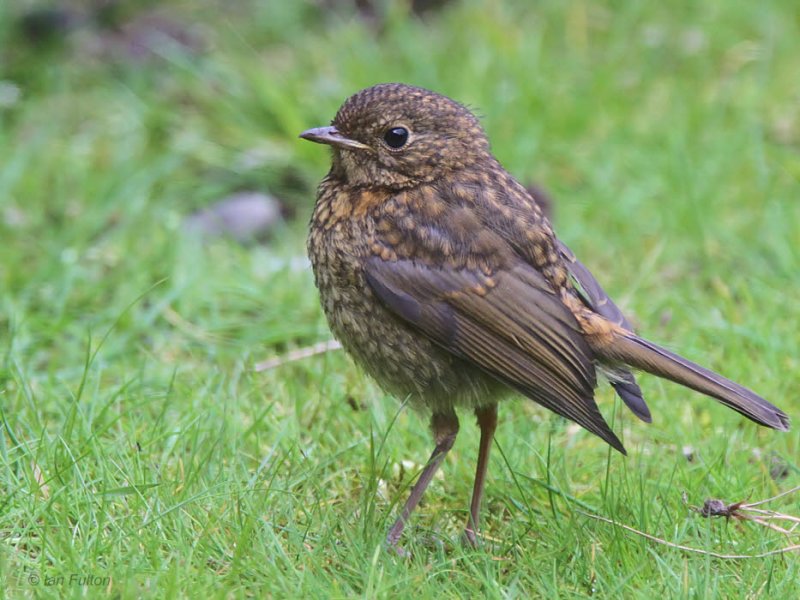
pixel 470 538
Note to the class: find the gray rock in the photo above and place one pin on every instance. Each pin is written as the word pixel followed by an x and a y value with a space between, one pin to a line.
pixel 244 216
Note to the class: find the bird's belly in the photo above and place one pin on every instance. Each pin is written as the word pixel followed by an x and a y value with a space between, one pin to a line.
pixel 403 361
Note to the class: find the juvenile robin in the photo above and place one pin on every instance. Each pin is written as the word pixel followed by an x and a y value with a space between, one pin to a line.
pixel 441 277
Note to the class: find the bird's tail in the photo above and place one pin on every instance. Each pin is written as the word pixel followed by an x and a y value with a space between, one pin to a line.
pixel 636 352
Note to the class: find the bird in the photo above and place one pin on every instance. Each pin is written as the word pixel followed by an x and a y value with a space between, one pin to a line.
pixel 442 278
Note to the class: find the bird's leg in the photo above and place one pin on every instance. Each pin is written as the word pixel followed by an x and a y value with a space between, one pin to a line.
pixel 445 429
pixel 487 421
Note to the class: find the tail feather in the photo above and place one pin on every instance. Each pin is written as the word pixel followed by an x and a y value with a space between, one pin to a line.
pixel 639 353
pixel 631 395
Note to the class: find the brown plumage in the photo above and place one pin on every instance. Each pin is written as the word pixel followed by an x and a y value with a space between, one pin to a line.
pixel 442 278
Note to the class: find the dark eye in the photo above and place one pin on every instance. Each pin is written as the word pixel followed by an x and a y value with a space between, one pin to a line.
pixel 396 137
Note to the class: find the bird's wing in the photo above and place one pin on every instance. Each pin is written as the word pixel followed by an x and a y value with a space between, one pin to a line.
pixel 510 324
pixel 590 290
pixel 596 298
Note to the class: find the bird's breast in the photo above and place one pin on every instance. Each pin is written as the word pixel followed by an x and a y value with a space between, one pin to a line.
pixel 401 360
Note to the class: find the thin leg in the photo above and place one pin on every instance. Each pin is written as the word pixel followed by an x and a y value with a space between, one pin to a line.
pixel 487 421
pixel 445 429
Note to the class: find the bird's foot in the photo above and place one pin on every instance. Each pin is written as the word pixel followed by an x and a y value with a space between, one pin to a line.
pixel 393 540
pixel 470 538
pixel 398 550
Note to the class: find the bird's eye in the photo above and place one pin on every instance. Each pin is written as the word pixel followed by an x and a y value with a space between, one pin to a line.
pixel 396 137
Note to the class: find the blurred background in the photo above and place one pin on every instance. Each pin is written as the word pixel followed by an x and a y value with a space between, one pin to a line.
pixel 129 127
pixel 154 197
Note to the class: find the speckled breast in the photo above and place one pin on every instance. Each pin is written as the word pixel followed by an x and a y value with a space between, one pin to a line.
pixel 404 362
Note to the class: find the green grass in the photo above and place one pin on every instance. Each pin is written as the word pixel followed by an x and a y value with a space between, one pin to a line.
pixel 138 443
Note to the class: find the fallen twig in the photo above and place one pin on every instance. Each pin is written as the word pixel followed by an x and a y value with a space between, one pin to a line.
pixel 299 354
pixel 746 511
pixel 658 540
pixel 781 495
pixel 743 511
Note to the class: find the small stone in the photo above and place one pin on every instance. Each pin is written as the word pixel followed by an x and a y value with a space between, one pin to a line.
pixel 779 468
pixel 244 216
pixel 10 93
pixel 688 453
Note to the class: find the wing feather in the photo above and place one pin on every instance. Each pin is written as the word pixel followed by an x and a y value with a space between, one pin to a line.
pixel 593 294
pixel 515 329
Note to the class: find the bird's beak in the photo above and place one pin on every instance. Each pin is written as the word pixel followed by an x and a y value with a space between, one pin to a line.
pixel 332 137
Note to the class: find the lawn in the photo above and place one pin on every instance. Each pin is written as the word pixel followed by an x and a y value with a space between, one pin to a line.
pixel 143 455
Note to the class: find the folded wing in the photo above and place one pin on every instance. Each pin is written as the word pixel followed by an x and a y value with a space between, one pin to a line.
pixel 511 325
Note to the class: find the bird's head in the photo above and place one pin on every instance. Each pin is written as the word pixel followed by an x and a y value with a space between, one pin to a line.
pixel 397 136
